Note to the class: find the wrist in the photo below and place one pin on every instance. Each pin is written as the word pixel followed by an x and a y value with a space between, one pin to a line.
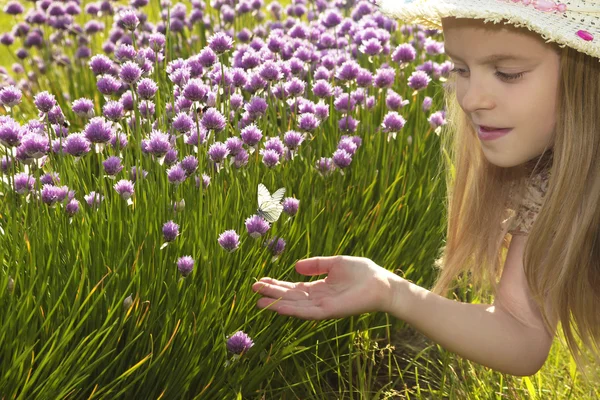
pixel 398 297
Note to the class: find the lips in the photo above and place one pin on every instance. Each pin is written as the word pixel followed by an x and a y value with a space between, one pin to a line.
pixel 491 128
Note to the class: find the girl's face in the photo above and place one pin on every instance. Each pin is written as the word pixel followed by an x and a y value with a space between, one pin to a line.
pixel 518 93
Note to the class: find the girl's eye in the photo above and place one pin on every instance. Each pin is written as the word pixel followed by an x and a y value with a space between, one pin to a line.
pixel 507 77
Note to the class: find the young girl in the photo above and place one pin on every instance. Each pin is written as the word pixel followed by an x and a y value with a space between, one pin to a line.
pixel 524 139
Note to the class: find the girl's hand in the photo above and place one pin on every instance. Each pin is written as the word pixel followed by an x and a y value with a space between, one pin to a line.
pixel 354 285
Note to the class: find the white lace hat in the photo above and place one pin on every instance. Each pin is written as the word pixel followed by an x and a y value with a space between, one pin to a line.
pixel 573 23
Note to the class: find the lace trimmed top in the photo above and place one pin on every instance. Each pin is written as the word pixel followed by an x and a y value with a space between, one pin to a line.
pixel 521 221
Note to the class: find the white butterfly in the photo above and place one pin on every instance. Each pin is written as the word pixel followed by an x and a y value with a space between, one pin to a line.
pixel 269 206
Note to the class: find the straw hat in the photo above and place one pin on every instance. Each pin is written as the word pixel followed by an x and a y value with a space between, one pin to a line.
pixel 573 23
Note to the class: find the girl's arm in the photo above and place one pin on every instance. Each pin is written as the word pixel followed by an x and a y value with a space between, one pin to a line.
pixel 508 336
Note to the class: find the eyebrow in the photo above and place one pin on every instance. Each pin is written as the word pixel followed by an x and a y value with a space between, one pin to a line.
pixel 494 58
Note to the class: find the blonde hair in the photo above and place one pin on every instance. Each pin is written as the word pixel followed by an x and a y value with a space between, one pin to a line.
pixel 562 254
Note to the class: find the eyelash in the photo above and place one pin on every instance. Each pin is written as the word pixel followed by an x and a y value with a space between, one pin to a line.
pixel 508 77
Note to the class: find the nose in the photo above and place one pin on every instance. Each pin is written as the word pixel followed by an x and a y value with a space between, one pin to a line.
pixel 476 95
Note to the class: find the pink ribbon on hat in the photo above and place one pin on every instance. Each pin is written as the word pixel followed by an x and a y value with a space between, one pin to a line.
pixel 551 6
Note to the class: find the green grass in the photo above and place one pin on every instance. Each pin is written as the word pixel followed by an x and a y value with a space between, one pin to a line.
pixel 66 335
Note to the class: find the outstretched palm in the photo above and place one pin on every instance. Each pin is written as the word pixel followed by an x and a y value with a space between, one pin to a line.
pixel 353 286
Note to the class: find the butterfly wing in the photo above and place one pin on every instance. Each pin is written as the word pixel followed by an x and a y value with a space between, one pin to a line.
pixel 270 211
pixel 278 195
pixel 269 207
pixel 263 194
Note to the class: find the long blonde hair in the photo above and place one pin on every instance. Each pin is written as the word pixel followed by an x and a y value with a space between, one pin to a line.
pixel 562 254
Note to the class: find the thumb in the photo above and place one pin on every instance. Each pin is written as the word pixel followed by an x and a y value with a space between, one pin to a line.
pixel 316 265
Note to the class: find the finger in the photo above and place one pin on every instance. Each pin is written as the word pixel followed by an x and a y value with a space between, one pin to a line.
pixel 276 291
pixel 316 265
pixel 289 285
pixel 299 309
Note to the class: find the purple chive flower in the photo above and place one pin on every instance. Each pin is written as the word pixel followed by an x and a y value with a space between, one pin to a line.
pixel 6 164
pixel 218 151
pixel 341 158
pixel 270 72
pixel 127 100
pixel 112 165
pixel 33 145
pixel 159 143
pixel 76 145
pixel 251 135
pixel 125 52
pixel 427 102
pixel 176 174
pixel 371 47
pixel 393 122
pixel 419 80
pixel 293 139
pixel 239 343
pixel 213 120
pixel 50 178
pixel 347 144
pixel 295 87
pixel 348 71
pixel 189 164
pixel 290 206
pixel 44 101
pixel 147 108
pixel 325 166
pixel 348 124
pixel 256 107
pixel 364 78
pixel 108 84
pixel 185 265
pixel 195 90
pixel 274 143
pixel 276 245
pixel 128 20
pixel 394 101
pixel 183 123
pixel 235 101
pixel 322 89
pixel 56 116
pixel 93 199
pixel 308 122
pixel 171 157
pixel 10 96
pixel 124 188
pixel 384 78
pixel 322 110
pixel 10 132
pixel 13 8
pixel 146 88
pixel 133 174
pixel 113 110
pixel 157 41
pixel 83 107
pixel 240 159
pixel 229 240
pixel 234 145
pixel 170 231
pixel 72 207
pixel 344 103
pixel 207 57
pixel 53 194
pixel 24 183
pixel 220 42
pixel 130 72
pixel 98 130
pixel 404 53
pixel 7 39
pixel 437 119
pixel 270 157
pixel 256 226
pixel 101 64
